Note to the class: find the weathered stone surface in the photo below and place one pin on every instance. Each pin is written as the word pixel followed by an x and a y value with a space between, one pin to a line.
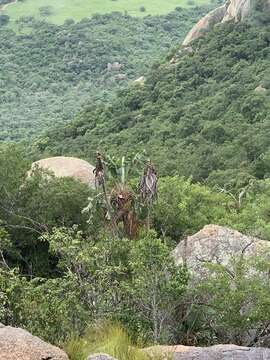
pixel 100 357
pixel 260 89
pixel 18 344
pixel 232 10
pixel 216 244
pixel 205 24
pixel 62 166
pixel 140 80
pixel 218 352
pixel 116 66
pixel 120 77
pixel 237 10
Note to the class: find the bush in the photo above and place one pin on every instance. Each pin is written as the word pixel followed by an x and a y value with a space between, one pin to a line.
pixel 46 11
pixel 4 19
pixel 235 302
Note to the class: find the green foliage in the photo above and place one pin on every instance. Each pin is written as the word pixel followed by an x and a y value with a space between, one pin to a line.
pixel 251 216
pixel 14 164
pixel 4 2
pixel 156 288
pixel 136 283
pixel 68 9
pixel 56 268
pixel 4 19
pixel 47 308
pixel 183 208
pixel 29 206
pixel 200 117
pixel 235 301
pixel 45 10
pixel 44 66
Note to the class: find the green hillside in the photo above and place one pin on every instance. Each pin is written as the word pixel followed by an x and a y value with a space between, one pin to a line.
pixel 206 116
pixel 48 72
pixel 60 10
pixel 92 269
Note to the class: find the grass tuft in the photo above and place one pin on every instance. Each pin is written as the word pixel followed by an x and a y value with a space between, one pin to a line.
pixel 109 339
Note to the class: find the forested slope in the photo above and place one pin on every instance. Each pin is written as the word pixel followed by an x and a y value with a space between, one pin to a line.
pixel 204 115
pixel 79 265
pixel 48 72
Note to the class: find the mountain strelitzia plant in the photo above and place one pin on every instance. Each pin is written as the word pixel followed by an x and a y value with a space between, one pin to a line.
pixel 148 188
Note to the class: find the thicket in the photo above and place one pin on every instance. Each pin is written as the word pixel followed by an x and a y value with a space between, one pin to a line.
pixel 49 72
pixel 60 273
pixel 205 116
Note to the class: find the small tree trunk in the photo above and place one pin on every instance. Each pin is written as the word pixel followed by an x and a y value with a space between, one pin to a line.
pixel 148 221
pixel 109 209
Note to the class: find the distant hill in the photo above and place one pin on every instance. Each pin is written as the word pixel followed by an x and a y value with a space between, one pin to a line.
pixel 49 72
pixel 205 114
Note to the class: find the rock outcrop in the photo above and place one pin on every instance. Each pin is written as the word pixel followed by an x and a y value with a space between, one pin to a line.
pixel 116 66
pixel 100 357
pixel 260 89
pixel 205 24
pixel 237 10
pixel 139 81
pixel 18 344
pixel 62 166
pixel 216 244
pixel 232 10
pixel 218 352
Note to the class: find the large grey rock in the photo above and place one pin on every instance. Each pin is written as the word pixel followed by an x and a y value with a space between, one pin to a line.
pixel 100 357
pixel 223 352
pixel 18 344
pixel 216 244
pixel 218 352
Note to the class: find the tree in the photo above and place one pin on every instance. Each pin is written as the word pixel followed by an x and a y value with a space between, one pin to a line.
pixel 156 288
pixel 235 300
pixel 121 203
pixel 184 208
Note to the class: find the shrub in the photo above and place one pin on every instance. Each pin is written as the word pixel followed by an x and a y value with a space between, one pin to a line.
pixel 4 19
pixel 46 11
pixel 234 303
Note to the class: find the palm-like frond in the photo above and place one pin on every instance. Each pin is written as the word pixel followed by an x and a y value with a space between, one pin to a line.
pixel 148 184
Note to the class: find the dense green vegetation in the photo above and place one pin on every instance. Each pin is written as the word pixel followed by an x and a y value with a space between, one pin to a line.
pixel 61 10
pixel 48 245
pixel 4 2
pixel 199 117
pixel 48 72
pixel 92 269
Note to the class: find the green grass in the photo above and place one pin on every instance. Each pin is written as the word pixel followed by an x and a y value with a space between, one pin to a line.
pixel 109 339
pixel 78 9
